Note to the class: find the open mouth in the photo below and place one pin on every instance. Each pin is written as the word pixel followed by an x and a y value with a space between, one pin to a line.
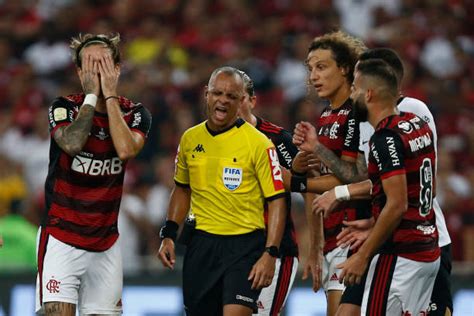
pixel 220 112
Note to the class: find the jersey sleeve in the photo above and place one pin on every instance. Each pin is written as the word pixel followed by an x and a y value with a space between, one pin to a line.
pixel 141 121
pixel 60 113
pixel 285 148
pixel 351 144
pixel 388 150
pixel 181 172
pixel 268 170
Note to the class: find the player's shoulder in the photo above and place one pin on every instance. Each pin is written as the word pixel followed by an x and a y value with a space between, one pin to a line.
pixel 266 126
pixel 415 106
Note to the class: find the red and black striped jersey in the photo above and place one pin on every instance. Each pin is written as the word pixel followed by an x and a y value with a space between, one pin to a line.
pixel 404 144
pixel 286 151
pixel 83 192
pixel 338 131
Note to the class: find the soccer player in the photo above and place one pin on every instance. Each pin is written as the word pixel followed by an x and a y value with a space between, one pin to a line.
pixel 402 248
pixel 93 135
pixel 441 299
pixel 272 298
pixel 225 171
pixel 330 61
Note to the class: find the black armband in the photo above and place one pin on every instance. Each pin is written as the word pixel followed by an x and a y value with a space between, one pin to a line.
pixel 170 230
pixel 299 184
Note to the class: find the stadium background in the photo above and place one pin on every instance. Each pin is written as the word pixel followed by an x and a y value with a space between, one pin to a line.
pixel 169 48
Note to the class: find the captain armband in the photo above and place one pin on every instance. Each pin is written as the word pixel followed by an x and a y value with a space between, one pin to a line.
pixel 342 193
pixel 170 230
pixel 299 184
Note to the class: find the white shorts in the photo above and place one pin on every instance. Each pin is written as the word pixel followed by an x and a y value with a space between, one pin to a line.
pixel 331 274
pixel 273 298
pixel 91 280
pixel 398 286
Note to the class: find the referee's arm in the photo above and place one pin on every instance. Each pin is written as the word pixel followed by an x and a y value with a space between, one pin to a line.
pixel 263 270
pixel 178 208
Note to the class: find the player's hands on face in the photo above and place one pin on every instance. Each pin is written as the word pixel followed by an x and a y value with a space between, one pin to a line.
pixel 314 266
pixel 262 271
pixel 109 75
pixel 166 254
pixel 325 203
pixel 304 137
pixel 355 233
pixel 89 75
pixel 305 161
pixel 352 269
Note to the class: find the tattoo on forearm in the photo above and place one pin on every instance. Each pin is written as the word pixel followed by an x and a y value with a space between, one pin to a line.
pixel 74 136
pixel 345 171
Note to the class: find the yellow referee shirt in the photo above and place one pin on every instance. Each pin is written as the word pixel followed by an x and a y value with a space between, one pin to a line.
pixel 230 175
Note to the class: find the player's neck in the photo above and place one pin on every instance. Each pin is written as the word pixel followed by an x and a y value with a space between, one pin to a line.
pixel 385 111
pixel 250 118
pixel 340 97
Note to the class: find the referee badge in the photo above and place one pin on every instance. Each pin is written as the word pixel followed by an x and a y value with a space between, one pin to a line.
pixel 232 177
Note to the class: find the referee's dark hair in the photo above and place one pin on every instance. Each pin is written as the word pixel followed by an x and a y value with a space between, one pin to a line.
pixel 384 75
pixel 389 56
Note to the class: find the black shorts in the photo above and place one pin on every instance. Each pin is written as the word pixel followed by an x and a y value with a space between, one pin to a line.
pixel 441 297
pixel 353 294
pixel 216 269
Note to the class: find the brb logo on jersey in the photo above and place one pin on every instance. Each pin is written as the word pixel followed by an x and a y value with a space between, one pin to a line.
pixel 277 176
pixel 97 167
pixel 232 177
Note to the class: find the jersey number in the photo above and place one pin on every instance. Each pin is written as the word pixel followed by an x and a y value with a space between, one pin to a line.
pixel 426 187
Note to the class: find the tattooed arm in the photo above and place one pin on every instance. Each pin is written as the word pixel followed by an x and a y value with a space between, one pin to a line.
pixel 73 137
pixel 345 171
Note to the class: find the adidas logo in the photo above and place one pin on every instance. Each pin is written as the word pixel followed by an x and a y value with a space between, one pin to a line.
pixel 334 277
pixel 302 187
pixel 199 148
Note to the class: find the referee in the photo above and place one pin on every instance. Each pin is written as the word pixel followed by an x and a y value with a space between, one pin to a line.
pixel 225 171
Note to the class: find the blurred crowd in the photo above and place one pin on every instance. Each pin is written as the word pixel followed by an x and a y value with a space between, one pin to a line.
pixel 170 47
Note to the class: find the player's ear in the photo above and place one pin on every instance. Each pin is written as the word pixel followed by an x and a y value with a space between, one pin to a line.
pixel 368 95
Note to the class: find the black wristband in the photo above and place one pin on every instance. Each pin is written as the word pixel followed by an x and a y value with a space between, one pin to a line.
pixel 170 230
pixel 299 184
pixel 111 97
pixel 299 174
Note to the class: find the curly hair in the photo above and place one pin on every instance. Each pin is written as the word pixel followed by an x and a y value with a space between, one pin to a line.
pixel 83 40
pixel 344 47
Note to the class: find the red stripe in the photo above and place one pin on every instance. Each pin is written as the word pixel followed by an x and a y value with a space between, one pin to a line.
pixel 89 243
pixel 41 254
pixel 380 283
pixel 282 285
pixel 392 173
pixel 91 220
pixel 352 154
pixel 90 194
pixel 99 146
pixel 378 274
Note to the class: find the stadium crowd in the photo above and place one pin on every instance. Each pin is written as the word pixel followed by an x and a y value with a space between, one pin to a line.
pixel 169 49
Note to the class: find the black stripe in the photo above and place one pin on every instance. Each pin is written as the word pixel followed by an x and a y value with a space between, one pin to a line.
pixel 87 231
pixel 388 284
pixel 89 181
pixel 83 206
pixel 183 185
pixel 274 197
